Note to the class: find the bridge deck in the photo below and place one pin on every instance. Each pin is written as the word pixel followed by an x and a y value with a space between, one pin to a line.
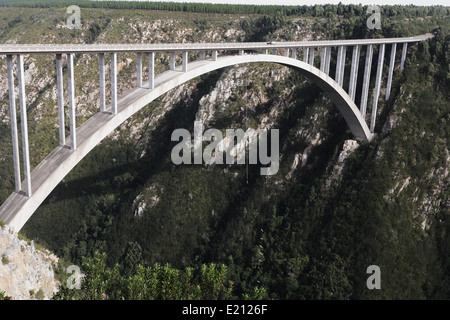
pixel 167 47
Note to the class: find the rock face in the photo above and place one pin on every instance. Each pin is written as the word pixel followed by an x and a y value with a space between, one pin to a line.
pixel 347 149
pixel 25 272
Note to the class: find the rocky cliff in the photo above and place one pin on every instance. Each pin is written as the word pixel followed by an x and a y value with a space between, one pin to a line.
pixel 25 272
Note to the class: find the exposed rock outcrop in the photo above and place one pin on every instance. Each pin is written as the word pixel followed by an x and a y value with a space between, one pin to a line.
pixel 25 272
pixel 347 149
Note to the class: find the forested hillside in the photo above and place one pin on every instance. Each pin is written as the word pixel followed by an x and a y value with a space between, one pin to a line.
pixel 335 207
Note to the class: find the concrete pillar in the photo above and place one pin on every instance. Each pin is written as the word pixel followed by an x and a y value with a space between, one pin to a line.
pixel 274 52
pixel 402 63
pixel 202 55
pixel 327 60
pixel 305 54
pixel 151 70
pixel 266 51
pixel 354 72
pixel 311 56
pixel 60 94
pixel 139 70
pixel 172 60
pixel 241 52
pixel 366 79
pixel 114 83
pixel 185 61
pixel 71 83
pixel 391 71
pixel 214 55
pixel 341 79
pixel 294 53
pixel 101 62
pixel 340 65
pixel 12 108
pixel 323 53
pixel 286 52
pixel 376 93
pixel 24 126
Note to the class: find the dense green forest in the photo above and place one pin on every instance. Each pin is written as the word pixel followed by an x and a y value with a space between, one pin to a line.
pixel 224 231
pixel 347 11
pixel 132 281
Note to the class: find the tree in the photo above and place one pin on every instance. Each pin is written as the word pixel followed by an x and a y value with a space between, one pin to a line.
pixel 151 283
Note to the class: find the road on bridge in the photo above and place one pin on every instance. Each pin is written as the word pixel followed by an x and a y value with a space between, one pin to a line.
pixel 168 47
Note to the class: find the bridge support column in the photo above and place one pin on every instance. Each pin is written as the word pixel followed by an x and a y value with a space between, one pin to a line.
pixel 274 52
pixel 241 52
pixel 214 55
pixel 202 55
pixel 60 94
pixel 402 63
pixel 354 72
pixel 71 83
pixel 391 71
pixel 340 65
pixel 13 115
pixel 327 60
pixel 344 53
pixel 139 70
pixel 377 87
pixel 185 61
pixel 172 60
pixel 101 61
pixel 286 52
pixel 311 56
pixel 294 53
pixel 151 70
pixel 24 126
pixel 114 83
pixel 305 54
pixel 323 58
pixel 366 80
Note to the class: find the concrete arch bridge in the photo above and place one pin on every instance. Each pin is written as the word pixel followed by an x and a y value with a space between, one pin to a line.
pixel 37 184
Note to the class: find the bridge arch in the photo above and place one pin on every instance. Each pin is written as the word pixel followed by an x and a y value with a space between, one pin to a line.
pixel 18 207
